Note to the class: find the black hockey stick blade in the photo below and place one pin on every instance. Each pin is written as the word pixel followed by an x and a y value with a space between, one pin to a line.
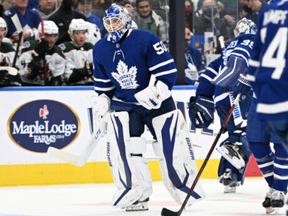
pixel 167 212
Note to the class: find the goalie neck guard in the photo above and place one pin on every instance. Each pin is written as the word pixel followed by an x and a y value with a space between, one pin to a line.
pixel 117 21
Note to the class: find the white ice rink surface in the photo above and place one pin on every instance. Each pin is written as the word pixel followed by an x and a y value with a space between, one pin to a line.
pixel 94 199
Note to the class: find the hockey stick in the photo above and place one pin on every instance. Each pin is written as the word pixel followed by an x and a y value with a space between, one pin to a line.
pixel 44 60
pixel 167 212
pixel 18 26
pixel 88 149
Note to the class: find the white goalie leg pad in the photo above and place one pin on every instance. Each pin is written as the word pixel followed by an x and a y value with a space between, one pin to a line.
pixel 137 149
pixel 124 173
pixel 177 163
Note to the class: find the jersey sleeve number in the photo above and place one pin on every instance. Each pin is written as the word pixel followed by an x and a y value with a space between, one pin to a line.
pixel 159 48
pixel 271 59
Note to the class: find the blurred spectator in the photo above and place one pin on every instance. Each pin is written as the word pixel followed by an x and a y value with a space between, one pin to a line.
pixel 78 54
pixel 46 7
pixel 62 17
pixel 204 22
pixel 33 4
pixel 194 65
pixel 251 8
pixel 189 14
pixel 29 20
pixel 85 7
pixel 127 4
pixel 148 20
pixel 6 4
pixel 42 63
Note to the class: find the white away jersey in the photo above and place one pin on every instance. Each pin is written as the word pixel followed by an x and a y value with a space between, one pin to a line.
pixel 123 69
pixel 76 57
pixel 268 71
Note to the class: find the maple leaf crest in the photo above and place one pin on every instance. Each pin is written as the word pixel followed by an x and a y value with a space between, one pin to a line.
pixel 126 78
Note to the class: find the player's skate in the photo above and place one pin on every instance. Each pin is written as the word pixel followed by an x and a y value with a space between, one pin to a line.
pixel 278 200
pixel 229 184
pixel 267 202
pixel 139 206
pixel 231 152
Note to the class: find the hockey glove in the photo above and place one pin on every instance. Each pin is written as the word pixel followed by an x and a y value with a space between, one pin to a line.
pixel 241 86
pixel 7 76
pixel 201 111
pixel 40 50
pixel 153 96
pixel 34 69
pixel 79 74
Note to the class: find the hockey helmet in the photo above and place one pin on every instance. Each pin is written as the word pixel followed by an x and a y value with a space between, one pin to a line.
pixel 117 21
pixel 49 27
pixel 77 25
pixel 245 26
pixel 3 24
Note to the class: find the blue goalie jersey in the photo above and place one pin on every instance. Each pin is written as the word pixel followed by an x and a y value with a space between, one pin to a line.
pixel 241 47
pixel 123 69
pixel 268 71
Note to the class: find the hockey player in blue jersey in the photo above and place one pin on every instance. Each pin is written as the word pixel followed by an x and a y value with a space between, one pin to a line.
pixel 268 76
pixel 268 71
pixel 217 82
pixel 133 77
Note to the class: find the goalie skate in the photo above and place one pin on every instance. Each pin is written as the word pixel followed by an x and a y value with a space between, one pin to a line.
pixel 138 206
pixel 278 200
pixel 229 185
pixel 231 154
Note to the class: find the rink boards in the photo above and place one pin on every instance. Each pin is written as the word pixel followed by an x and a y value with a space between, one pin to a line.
pixel 34 118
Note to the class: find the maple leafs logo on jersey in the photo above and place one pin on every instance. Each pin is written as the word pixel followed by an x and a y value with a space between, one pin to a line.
pixel 126 78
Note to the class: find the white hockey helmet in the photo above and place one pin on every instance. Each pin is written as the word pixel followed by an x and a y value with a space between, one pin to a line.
pixel 3 24
pixel 116 21
pixel 49 27
pixel 77 25
pixel 245 26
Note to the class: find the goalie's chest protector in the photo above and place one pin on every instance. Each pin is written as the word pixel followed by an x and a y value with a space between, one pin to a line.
pixel 128 63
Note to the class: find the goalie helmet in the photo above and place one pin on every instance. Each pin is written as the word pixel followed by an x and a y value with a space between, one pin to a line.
pixel 245 26
pixel 117 21
pixel 3 24
pixel 77 25
pixel 49 27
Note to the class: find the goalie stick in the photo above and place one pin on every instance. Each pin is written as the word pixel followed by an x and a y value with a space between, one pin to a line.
pixel 88 149
pixel 167 212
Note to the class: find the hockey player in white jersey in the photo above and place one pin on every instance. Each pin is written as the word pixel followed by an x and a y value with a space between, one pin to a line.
pixel 42 60
pixel 78 54
pixel 133 77
pixel 7 55
pixel 214 91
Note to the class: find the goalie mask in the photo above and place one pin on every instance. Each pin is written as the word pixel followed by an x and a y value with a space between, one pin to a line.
pixel 3 24
pixel 245 26
pixel 50 28
pixel 117 21
pixel 76 25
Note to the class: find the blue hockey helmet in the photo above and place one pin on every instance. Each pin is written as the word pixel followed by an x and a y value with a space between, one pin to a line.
pixel 245 26
pixel 117 21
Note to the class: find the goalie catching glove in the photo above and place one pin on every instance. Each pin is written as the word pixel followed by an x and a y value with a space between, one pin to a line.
pixel 153 96
pixel 201 111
